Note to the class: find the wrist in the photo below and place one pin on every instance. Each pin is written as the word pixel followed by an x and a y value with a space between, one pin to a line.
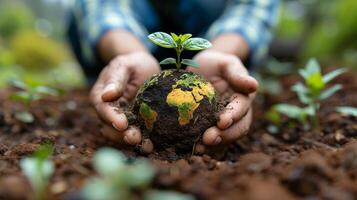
pixel 231 43
pixel 118 42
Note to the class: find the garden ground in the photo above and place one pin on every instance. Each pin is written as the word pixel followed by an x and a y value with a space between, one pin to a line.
pixel 291 164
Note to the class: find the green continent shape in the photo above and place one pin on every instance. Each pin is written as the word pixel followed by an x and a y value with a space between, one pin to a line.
pixel 148 114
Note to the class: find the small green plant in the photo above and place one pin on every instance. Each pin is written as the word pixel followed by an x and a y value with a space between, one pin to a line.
pixel 118 178
pixel 38 169
pixel 346 110
pixel 28 92
pixel 310 93
pixel 179 43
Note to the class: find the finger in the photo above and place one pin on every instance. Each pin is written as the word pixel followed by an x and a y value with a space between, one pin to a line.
pixel 112 134
pixel 234 111
pixel 239 79
pixel 231 134
pixel 132 135
pixel 200 149
pixel 115 83
pixel 147 146
pixel 237 130
pixel 109 115
pixel 211 136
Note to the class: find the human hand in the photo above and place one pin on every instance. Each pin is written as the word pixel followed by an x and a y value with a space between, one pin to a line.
pixel 121 79
pixel 229 77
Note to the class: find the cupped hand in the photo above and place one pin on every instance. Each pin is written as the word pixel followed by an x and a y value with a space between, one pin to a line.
pixel 121 79
pixel 230 78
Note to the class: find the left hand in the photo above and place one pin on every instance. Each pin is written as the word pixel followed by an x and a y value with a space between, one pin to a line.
pixel 229 77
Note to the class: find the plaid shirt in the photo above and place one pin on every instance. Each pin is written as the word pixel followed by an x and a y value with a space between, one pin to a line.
pixel 254 20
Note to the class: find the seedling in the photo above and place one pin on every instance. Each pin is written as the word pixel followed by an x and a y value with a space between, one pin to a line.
pixel 175 107
pixel 311 93
pixel 38 169
pixel 179 43
pixel 27 94
pixel 118 178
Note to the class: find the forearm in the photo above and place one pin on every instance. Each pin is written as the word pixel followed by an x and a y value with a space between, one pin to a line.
pixel 231 43
pixel 117 42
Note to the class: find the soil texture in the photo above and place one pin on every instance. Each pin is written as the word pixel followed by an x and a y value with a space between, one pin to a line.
pixel 290 164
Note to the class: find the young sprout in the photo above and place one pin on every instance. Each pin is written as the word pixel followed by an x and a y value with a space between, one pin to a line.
pixel 311 93
pixel 27 94
pixel 118 177
pixel 179 43
pixel 38 169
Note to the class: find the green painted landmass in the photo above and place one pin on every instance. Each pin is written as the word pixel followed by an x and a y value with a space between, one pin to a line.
pixel 148 114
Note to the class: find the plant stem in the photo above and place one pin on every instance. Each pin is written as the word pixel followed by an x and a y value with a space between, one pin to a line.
pixel 316 123
pixel 178 61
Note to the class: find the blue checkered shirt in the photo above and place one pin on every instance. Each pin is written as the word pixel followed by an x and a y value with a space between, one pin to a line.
pixel 254 20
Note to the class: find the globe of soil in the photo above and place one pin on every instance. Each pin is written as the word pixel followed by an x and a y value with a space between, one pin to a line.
pixel 174 108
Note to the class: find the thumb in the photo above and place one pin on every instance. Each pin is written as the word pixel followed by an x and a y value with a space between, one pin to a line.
pixel 115 84
pixel 239 79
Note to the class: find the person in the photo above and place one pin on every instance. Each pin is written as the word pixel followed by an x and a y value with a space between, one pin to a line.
pixel 113 33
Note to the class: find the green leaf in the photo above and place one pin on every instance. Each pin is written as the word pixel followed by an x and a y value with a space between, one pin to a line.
pixel 108 162
pixel 44 152
pixel 185 37
pixel 99 189
pixel 175 37
pixel 309 110
pixel 22 96
pixel 38 172
pixel 25 117
pixel 38 169
pixel 196 44
pixel 315 83
pixel 329 76
pixel 190 63
pixel 168 61
pixel 352 111
pixel 291 111
pixel 312 67
pixel 139 174
pixel 273 116
pixel 330 91
pixel 162 39
pixel 166 195
pixel 46 90
pixel 18 84
pixel 301 91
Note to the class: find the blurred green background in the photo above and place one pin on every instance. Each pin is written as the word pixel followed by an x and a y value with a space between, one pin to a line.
pixel 33 44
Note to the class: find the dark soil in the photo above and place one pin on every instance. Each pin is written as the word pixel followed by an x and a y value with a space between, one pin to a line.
pixel 292 164
pixel 167 133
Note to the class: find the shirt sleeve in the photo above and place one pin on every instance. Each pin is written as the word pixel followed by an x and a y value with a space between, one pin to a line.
pixel 254 20
pixel 95 17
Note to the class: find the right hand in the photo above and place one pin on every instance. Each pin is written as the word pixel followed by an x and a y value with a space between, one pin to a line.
pixel 121 79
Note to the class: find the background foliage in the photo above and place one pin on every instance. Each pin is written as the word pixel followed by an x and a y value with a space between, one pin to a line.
pixel 33 44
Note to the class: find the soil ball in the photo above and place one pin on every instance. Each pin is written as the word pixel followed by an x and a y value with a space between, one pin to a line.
pixel 174 108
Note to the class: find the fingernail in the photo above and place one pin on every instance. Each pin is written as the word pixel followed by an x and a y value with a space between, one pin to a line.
pixel 230 122
pixel 109 87
pixel 115 126
pixel 147 146
pixel 126 140
pixel 217 140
